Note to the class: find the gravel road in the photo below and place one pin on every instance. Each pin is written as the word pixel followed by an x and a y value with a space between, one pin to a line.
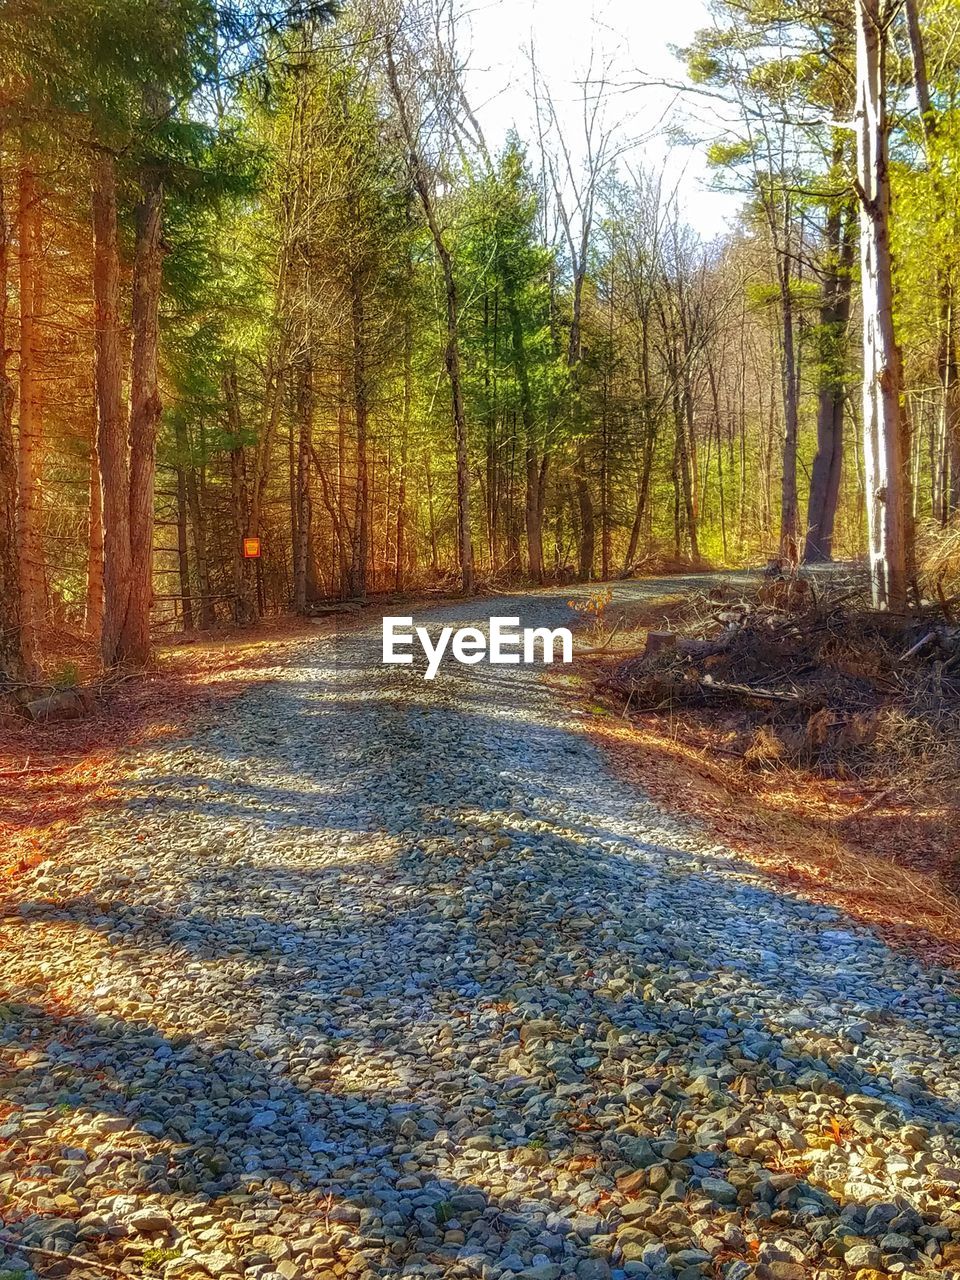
pixel 374 976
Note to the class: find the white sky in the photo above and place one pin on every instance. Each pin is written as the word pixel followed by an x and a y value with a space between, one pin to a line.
pixel 632 36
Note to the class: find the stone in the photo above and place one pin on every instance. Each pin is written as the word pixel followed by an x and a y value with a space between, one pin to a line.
pixel 377 977
pixel 720 1190
pixel 863 1255
pixel 150 1222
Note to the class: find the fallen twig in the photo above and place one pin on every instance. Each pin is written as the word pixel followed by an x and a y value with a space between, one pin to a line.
pixel 921 644
pixel 744 691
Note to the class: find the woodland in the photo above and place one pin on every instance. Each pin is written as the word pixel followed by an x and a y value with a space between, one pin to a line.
pixel 268 287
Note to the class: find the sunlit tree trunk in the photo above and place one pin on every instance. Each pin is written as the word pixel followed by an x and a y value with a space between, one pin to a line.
pixel 302 509
pixel 145 409
pixel 791 411
pixel 112 455
pixel 12 661
pixel 93 618
pixel 649 442
pixel 29 510
pixel 401 539
pixel 885 459
pixel 244 575
pixel 361 520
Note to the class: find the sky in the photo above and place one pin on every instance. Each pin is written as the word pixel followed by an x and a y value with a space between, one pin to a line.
pixel 632 38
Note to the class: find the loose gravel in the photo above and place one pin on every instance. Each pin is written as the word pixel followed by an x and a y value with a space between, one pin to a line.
pixel 374 976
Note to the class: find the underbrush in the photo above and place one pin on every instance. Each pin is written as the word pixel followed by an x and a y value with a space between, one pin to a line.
pixel 939 556
pixel 799 677
pixel 819 737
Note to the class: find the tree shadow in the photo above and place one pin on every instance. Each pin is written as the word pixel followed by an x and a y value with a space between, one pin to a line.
pixel 392 1015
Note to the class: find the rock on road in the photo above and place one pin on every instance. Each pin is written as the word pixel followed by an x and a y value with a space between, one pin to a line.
pixel 373 976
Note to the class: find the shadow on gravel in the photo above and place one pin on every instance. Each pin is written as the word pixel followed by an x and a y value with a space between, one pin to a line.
pixel 587 993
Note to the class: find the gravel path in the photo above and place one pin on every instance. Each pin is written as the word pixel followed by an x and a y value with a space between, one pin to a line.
pixel 375 976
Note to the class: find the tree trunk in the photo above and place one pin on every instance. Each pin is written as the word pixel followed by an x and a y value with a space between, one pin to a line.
pixel 183 553
pixel 303 511
pixel 93 620
pixel 12 661
pixel 431 514
pixel 29 510
pixel 145 410
pixel 533 505
pixel 588 526
pixel 683 409
pixel 643 489
pixel 208 613
pixel 834 325
pixel 112 453
pixel 361 521
pixel 244 574
pixel 883 425
pixel 401 547
pixel 791 415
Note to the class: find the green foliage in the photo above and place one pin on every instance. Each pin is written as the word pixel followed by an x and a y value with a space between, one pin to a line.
pixel 727 155
pixel 155 1259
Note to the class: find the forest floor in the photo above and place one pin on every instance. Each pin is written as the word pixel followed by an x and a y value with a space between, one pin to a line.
pixel 360 975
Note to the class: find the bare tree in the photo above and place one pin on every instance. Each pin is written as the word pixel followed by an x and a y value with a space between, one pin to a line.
pixel 405 75
pixel 575 183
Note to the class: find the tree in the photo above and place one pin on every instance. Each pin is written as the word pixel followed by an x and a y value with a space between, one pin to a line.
pixel 884 427
pixel 13 662
pixel 405 100
pixel 576 189
pixel 29 511
pixel 786 69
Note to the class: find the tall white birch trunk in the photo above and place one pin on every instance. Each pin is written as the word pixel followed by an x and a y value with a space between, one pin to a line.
pixel 883 445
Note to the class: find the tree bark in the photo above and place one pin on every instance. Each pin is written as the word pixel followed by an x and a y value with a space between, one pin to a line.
pixel 208 613
pixel 112 455
pixel 401 539
pixel 244 575
pixel 682 412
pixel 834 326
pixel 13 664
pixel 93 620
pixel 791 413
pixel 183 549
pixel 145 410
pixel 649 443
pixel 533 505
pixel 361 519
pixel 303 511
pixel 29 509
pixel 885 458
